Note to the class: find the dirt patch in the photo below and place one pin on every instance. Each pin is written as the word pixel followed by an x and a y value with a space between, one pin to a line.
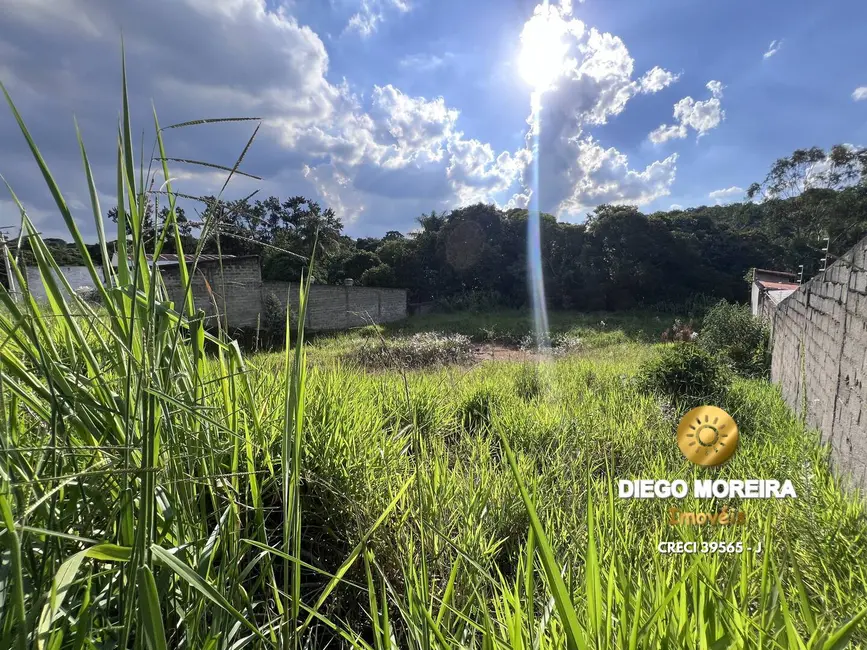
pixel 498 352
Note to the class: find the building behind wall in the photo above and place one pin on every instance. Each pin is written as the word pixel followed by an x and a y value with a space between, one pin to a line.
pixel 769 289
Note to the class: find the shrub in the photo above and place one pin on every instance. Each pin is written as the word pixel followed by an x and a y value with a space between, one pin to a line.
pixel 381 275
pixel 686 374
pixel 473 300
pixel 89 294
pixel 679 331
pixel 273 316
pixel 732 331
pixel 566 344
pixel 418 351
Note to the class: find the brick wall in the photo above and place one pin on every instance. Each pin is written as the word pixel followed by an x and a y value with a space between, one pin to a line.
pixel 240 295
pixel 820 358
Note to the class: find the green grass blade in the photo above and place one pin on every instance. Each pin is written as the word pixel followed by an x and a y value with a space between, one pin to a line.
pixel 198 583
pixel 149 607
pixel 575 635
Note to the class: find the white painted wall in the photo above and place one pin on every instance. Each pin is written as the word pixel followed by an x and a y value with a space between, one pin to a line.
pixel 754 299
pixel 77 276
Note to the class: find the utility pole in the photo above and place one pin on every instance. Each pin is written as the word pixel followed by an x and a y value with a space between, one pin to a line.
pixel 801 274
pixel 10 279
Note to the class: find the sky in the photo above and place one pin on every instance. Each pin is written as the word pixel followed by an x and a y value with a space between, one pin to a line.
pixel 388 109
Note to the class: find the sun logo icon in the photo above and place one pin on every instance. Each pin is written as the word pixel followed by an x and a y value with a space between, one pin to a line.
pixel 707 436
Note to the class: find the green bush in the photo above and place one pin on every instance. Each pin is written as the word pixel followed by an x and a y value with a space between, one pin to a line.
pixel 732 331
pixel 686 374
pixel 381 275
pixel 473 301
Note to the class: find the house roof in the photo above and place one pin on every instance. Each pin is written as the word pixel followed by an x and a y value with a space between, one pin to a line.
pixel 761 274
pixel 173 258
pixel 777 286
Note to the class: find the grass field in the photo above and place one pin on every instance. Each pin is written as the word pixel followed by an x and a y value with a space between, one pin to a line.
pixel 161 489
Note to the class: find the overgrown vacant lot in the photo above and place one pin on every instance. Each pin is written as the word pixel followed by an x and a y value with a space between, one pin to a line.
pixel 161 489
pixel 407 496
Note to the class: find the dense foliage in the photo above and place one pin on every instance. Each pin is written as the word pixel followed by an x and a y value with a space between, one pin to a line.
pixel 731 331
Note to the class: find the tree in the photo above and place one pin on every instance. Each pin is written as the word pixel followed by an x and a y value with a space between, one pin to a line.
pixel 152 227
pixel 359 262
pixel 812 194
pixel 379 276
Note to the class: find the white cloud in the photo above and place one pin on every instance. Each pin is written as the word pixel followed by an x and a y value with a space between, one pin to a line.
pixel 715 88
pixel 371 13
pixel 701 116
pixel 665 133
pixel 364 23
pixel 675 206
pixel 656 79
pixel 379 158
pixel 773 48
pixel 860 94
pixel 728 195
pixel 425 62
pixel 603 176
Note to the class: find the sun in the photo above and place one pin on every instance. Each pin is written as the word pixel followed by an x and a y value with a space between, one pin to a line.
pixel 543 50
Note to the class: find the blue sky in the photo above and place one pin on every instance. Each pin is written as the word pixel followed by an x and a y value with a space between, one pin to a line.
pixel 385 109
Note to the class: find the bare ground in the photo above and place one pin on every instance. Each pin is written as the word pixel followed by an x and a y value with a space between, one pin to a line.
pixel 499 352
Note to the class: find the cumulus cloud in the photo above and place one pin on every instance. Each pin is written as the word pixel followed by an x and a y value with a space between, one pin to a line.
pixel 568 171
pixel 860 94
pixel 675 206
pixel 773 48
pixel 390 154
pixel 656 79
pixel 727 195
pixel 379 157
pixel 700 116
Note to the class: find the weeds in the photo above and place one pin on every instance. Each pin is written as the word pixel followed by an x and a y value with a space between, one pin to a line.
pixel 733 332
pixel 686 374
pixel 422 350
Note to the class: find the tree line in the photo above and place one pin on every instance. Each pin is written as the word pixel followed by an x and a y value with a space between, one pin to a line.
pixel 617 259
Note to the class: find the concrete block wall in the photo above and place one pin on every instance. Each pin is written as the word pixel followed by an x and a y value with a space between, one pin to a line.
pixel 233 291
pixel 240 297
pixel 820 358
pixel 339 307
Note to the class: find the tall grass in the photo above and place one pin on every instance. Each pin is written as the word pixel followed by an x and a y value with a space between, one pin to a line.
pixel 160 490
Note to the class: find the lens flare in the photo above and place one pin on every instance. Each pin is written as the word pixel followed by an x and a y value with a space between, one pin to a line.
pixel 543 50
pixel 534 252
